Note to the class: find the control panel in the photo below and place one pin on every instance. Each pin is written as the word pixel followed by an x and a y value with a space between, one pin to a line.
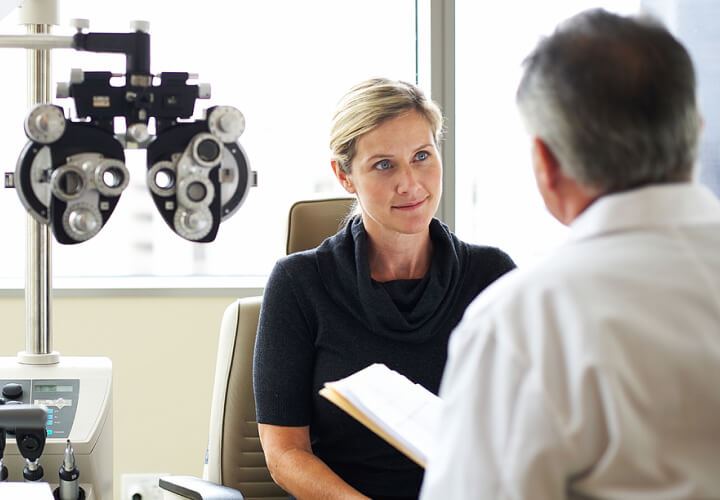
pixel 83 418
pixel 59 396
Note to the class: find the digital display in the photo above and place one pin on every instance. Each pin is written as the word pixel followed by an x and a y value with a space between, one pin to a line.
pixel 53 388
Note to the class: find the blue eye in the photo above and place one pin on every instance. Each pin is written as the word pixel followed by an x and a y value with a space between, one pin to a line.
pixel 382 165
pixel 422 155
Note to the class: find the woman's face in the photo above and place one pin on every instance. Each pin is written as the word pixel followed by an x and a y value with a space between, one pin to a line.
pixel 397 176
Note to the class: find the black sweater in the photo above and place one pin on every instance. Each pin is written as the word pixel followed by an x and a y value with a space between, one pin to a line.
pixel 323 318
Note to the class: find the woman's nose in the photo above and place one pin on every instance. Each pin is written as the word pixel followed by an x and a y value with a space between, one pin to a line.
pixel 406 178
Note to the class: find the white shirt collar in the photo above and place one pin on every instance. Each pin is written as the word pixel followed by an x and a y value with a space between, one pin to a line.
pixel 651 206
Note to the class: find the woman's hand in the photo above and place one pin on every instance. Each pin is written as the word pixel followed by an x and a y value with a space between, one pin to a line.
pixel 295 469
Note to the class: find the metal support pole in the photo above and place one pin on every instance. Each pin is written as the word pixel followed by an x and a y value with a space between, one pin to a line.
pixel 38 275
pixel 36 42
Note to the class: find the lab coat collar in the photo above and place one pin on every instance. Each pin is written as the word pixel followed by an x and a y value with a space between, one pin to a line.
pixel 651 206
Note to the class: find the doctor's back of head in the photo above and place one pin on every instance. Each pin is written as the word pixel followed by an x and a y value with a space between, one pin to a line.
pixel 613 98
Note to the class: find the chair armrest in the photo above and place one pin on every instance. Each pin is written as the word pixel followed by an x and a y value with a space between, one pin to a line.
pixel 197 489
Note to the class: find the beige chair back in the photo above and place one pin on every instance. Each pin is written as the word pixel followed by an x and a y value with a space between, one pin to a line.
pixel 234 456
pixel 311 221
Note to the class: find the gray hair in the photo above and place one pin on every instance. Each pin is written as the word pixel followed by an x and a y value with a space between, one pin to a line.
pixel 369 104
pixel 614 99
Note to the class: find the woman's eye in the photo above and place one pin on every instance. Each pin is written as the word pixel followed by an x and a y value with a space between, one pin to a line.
pixel 422 155
pixel 382 165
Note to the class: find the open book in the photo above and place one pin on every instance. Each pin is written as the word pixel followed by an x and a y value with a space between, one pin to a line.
pixel 401 412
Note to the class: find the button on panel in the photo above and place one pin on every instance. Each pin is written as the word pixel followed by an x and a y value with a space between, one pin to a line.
pixel 60 397
pixel 12 390
pixel 9 386
pixel 15 390
pixel 58 403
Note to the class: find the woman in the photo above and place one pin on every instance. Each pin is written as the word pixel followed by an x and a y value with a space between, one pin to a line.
pixel 388 288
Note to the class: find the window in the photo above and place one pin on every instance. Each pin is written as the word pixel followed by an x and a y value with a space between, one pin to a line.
pixel 496 199
pixel 694 22
pixel 283 63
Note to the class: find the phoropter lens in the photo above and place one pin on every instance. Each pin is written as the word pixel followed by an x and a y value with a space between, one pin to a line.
pixel 208 150
pixel 71 183
pixel 196 191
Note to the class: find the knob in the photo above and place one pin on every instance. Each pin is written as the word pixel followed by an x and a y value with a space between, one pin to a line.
pixel 80 24
pixel 204 91
pixel 143 26
pixel 138 132
pixel 45 123
pixel 12 390
pixel 83 221
pixel 231 125
pixel 62 90
pixel 77 75
pixel 226 123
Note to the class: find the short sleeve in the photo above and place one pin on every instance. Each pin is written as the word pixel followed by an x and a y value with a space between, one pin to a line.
pixel 284 354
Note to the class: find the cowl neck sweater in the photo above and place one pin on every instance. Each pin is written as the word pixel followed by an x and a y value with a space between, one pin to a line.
pixel 406 310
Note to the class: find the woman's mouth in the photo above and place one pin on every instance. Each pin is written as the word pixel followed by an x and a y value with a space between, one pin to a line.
pixel 409 206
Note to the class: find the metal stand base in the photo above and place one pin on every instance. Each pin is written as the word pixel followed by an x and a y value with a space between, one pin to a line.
pixel 28 358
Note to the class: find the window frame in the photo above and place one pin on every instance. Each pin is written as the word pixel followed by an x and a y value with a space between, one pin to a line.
pixel 149 286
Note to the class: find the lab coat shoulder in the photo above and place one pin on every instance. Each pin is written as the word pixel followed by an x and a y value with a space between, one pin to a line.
pixel 528 307
pixel 510 408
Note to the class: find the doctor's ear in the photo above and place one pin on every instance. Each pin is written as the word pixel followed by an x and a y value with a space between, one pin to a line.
pixel 545 163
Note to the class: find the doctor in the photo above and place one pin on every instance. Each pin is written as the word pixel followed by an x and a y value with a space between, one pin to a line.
pixel 595 374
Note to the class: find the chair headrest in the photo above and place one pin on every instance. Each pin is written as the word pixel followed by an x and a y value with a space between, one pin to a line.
pixel 311 221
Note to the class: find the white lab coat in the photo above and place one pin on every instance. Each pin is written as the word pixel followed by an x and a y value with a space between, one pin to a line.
pixel 595 374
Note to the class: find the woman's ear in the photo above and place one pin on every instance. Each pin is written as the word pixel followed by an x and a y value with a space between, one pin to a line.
pixel 344 178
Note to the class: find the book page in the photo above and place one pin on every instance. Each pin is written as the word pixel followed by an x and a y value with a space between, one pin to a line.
pixel 406 411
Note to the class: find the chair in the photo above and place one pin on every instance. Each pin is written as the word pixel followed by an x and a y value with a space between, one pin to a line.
pixel 311 221
pixel 235 458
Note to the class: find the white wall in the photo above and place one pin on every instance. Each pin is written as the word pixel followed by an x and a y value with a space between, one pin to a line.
pixel 163 351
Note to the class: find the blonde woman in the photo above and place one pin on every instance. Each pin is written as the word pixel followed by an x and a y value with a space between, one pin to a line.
pixel 388 288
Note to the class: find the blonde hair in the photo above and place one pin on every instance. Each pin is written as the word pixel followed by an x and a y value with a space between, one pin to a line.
pixel 371 103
